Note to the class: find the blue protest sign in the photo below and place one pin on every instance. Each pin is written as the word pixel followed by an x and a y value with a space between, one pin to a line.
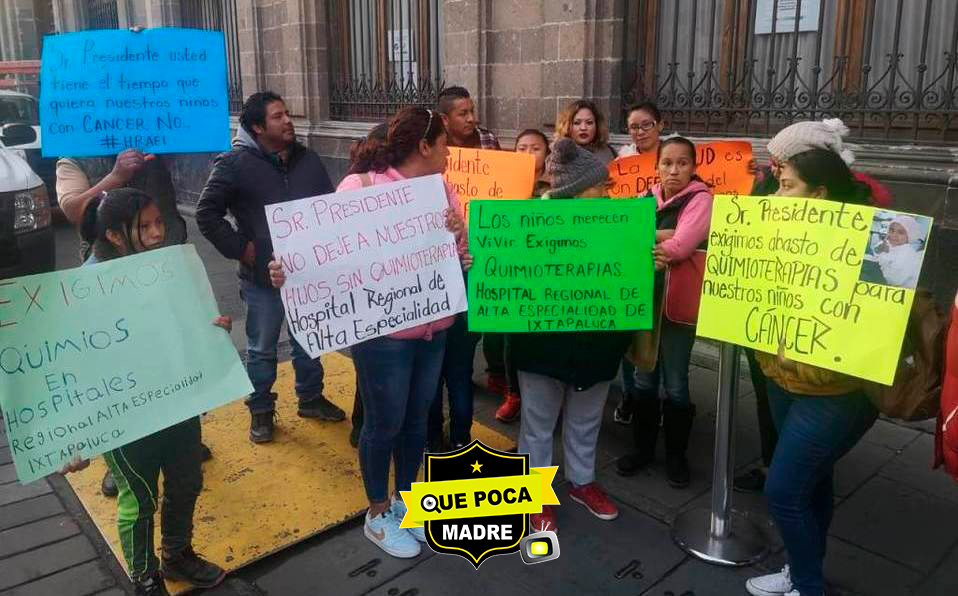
pixel 159 91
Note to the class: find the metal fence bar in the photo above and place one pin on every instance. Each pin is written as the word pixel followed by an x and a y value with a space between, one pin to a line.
pixel 393 57
pixel 219 15
pixel 884 70
pixel 101 14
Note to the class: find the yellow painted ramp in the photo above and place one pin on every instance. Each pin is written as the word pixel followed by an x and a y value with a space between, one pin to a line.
pixel 259 499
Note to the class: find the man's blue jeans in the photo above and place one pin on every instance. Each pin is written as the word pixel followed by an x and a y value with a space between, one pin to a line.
pixel 264 321
pixel 813 434
pixel 457 372
pixel 397 383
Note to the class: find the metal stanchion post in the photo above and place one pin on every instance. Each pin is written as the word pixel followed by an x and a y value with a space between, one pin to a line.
pixel 720 535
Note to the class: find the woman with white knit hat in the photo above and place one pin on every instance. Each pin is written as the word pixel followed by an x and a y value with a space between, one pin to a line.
pixel 828 134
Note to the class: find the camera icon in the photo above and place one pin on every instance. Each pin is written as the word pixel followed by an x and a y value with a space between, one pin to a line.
pixel 539 547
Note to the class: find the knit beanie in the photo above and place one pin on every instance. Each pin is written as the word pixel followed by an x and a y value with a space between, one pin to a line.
pixel 805 136
pixel 573 169
pixel 913 229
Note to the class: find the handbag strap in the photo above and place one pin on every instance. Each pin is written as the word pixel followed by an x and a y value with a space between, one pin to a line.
pixel 366 179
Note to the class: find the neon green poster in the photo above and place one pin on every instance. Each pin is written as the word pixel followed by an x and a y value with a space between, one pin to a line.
pixel 96 357
pixel 561 265
pixel 831 283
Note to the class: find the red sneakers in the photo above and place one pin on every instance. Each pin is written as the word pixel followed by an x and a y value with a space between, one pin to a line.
pixel 496 384
pixel 510 408
pixel 595 500
pixel 545 521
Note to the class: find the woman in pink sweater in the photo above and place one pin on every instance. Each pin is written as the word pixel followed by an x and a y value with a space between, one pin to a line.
pixel 684 210
pixel 398 375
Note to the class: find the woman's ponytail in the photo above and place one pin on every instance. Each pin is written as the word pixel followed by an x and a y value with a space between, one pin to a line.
pixel 88 221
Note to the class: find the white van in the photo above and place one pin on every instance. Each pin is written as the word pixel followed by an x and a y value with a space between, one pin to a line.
pixel 22 108
pixel 26 236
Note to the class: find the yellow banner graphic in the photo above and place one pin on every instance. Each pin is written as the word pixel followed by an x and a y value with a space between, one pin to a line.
pixel 830 284
pixel 479 497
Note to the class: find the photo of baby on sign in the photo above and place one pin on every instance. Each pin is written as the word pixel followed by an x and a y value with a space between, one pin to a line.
pixel 896 246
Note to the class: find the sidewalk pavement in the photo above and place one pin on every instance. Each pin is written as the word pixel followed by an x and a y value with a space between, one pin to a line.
pixel 895 530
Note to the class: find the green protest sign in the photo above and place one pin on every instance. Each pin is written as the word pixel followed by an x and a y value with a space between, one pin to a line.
pixel 561 265
pixel 97 357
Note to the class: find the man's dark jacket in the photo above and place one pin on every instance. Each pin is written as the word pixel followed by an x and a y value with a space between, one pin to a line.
pixel 243 181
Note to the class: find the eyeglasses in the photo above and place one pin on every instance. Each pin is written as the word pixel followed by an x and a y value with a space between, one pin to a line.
pixel 644 126
pixel 428 124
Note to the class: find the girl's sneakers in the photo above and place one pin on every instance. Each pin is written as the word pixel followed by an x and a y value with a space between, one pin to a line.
pixel 384 531
pixel 593 497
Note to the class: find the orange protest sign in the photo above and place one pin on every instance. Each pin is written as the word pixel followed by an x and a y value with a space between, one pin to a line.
pixel 489 174
pixel 722 164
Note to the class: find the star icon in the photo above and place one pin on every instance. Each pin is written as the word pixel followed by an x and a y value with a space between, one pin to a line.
pixel 477 467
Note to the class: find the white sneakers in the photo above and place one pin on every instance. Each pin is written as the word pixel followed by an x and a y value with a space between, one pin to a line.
pixel 398 510
pixel 774 584
pixel 384 531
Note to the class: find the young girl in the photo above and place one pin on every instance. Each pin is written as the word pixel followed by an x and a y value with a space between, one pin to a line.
pixel 582 122
pixel 645 128
pixel 819 414
pixel 398 375
pixel 534 141
pixel 568 371
pixel 123 222
pixel 682 220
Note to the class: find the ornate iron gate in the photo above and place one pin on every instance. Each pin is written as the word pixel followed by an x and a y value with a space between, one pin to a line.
pixel 748 67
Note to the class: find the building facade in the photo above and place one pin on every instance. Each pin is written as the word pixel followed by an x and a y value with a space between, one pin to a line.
pixel 717 69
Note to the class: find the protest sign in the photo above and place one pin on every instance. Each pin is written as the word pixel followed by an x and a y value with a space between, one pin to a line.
pixel 159 91
pixel 489 174
pixel 366 262
pixel 813 275
pixel 564 265
pixel 97 357
pixel 723 165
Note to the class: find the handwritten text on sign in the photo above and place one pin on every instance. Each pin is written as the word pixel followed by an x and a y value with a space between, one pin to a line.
pixel 159 91
pixel 786 270
pixel 97 357
pixel 566 265
pixel 367 262
pixel 489 174
pixel 723 165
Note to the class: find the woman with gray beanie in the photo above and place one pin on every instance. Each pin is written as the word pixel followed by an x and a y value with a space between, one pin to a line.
pixel 568 371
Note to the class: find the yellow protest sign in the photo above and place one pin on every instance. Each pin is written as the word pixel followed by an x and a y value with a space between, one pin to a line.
pixel 489 174
pixel 832 282
pixel 723 165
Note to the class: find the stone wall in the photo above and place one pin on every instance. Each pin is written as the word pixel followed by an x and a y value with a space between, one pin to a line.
pixel 523 61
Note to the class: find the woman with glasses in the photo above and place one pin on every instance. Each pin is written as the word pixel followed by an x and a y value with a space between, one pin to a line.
pixel 644 122
pixel 645 128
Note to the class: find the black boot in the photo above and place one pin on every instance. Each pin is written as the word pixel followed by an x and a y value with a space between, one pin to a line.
pixel 108 485
pixel 677 420
pixel 150 586
pixel 186 566
pixel 647 414
pixel 261 427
